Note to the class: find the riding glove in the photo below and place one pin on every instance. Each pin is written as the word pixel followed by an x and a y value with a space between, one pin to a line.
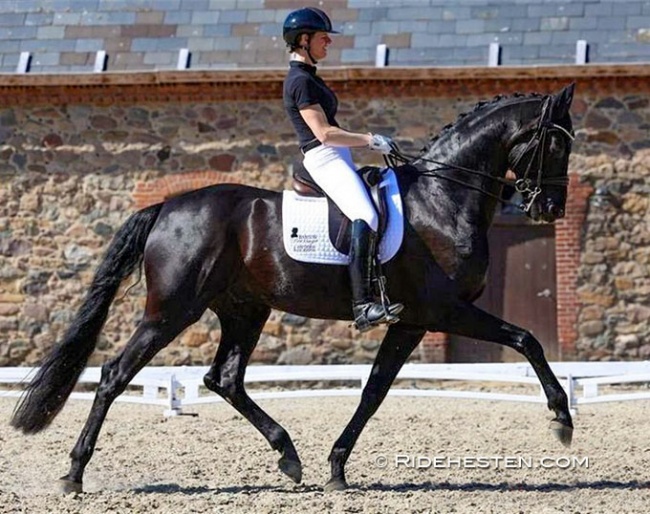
pixel 383 144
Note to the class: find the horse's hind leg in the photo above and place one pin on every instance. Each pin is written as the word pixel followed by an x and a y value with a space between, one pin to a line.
pixel 398 344
pixel 240 331
pixel 149 338
pixel 470 321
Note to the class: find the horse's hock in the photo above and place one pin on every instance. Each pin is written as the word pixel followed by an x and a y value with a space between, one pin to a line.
pixel 76 159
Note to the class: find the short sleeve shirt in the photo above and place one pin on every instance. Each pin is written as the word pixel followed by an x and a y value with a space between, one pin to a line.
pixel 302 87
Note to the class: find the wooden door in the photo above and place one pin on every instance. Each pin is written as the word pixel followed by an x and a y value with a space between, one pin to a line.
pixel 521 289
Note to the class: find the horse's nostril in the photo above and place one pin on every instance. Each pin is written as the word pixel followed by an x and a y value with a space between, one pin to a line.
pixel 556 211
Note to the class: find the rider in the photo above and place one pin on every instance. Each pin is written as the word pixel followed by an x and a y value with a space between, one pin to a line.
pixel 311 107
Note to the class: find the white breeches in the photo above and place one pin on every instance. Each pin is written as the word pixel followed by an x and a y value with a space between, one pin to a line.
pixel 332 169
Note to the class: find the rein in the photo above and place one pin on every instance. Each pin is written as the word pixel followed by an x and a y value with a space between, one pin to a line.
pixel 522 185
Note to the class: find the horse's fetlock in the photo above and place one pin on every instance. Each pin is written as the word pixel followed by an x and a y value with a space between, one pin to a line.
pixel 558 399
pixel 278 439
pixel 527 345
pixel 337 454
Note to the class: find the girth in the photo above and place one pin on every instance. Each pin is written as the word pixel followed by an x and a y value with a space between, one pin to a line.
pixel 339 224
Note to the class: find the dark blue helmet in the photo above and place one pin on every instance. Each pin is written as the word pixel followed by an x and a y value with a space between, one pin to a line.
pixel 305 21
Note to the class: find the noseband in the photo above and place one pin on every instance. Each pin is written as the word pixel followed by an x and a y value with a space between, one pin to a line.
pixel 537 143
pixel 523 185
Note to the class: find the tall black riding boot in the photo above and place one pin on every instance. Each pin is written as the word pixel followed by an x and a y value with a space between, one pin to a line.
pixel 367 313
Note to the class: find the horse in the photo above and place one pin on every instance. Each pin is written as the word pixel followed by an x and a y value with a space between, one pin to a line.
pixel 220 248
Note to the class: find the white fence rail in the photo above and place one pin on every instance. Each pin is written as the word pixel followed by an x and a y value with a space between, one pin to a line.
pixel 177 387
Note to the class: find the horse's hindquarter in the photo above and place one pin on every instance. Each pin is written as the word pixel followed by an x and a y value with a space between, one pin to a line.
pixel 190 255
pixel 269 275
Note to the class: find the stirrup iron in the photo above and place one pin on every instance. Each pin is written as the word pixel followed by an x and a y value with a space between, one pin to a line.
pixel 389 312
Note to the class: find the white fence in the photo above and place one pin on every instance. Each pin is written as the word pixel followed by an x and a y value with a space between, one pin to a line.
pixel 178 387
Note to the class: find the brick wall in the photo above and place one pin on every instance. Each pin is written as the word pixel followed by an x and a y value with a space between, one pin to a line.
pixel 64 36
pixel 568 249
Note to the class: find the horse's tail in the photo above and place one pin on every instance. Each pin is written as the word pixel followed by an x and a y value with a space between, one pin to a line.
pixel 48 391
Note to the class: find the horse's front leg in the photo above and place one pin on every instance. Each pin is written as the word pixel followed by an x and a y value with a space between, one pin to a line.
pixel 398 344
pixel 470 321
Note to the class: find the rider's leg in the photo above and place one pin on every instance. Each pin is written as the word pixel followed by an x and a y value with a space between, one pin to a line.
pixel 367 312
pixel 333 170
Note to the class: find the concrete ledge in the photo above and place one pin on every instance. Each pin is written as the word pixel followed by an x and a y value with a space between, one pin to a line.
pixel 332 74
pixel 350 83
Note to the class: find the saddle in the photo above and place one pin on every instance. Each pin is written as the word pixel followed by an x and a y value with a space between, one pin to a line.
pixel 339 225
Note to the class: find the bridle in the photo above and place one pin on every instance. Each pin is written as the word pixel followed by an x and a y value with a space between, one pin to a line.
pixel 528 187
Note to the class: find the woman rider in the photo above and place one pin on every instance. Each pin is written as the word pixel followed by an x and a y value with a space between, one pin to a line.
pixel 311 107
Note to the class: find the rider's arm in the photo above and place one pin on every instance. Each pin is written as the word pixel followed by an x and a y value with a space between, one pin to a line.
pixel 315 118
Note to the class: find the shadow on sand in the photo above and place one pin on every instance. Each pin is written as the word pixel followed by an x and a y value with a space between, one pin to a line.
pixel 599 485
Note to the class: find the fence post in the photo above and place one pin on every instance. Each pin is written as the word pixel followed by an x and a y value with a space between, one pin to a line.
pixel 173 402
pixel 570 391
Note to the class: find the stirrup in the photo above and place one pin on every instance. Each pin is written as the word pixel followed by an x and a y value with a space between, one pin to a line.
pixel 384 314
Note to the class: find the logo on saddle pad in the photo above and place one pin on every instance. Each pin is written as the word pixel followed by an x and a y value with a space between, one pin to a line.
pixel 314 230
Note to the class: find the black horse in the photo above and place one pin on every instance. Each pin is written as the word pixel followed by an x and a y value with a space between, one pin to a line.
pixel 220 248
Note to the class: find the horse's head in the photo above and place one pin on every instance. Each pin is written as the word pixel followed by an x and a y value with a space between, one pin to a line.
pixel 539 156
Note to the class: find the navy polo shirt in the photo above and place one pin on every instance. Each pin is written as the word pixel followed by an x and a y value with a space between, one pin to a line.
pixel 302 87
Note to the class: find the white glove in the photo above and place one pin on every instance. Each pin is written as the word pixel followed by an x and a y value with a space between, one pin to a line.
pixel 383 144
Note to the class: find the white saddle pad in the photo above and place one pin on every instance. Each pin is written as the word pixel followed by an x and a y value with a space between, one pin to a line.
pixel 306 234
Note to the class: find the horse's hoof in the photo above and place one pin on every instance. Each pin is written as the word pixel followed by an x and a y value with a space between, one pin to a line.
pixel 563 432
pixel 68 486
pixel 335 484
pixel 291 468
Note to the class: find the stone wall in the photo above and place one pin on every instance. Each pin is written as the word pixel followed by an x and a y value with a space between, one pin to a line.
pixel 614 274
pixel 71 170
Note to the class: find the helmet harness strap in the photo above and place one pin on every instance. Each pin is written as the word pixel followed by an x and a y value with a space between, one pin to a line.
pixel 307 47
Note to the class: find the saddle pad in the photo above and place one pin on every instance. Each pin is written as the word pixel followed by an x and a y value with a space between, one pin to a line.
pixel 306 235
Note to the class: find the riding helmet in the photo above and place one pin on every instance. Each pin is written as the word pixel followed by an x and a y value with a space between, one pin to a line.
pixel 305 21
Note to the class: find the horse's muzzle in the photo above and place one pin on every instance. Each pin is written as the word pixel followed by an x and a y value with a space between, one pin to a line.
pixel 550 211
pixel 555 211
pixel 547 211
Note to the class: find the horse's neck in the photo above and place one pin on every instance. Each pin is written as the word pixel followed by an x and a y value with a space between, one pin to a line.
pixel 485 155
pixel 453 219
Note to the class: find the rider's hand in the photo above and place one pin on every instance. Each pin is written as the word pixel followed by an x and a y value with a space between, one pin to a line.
pixel 383 144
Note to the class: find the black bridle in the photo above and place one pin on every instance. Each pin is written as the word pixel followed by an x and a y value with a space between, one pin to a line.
pixel 527 187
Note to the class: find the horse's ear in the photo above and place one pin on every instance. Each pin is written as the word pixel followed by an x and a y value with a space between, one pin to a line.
pixel 562 101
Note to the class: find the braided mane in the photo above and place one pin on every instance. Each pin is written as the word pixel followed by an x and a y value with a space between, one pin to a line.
pixel 480 106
